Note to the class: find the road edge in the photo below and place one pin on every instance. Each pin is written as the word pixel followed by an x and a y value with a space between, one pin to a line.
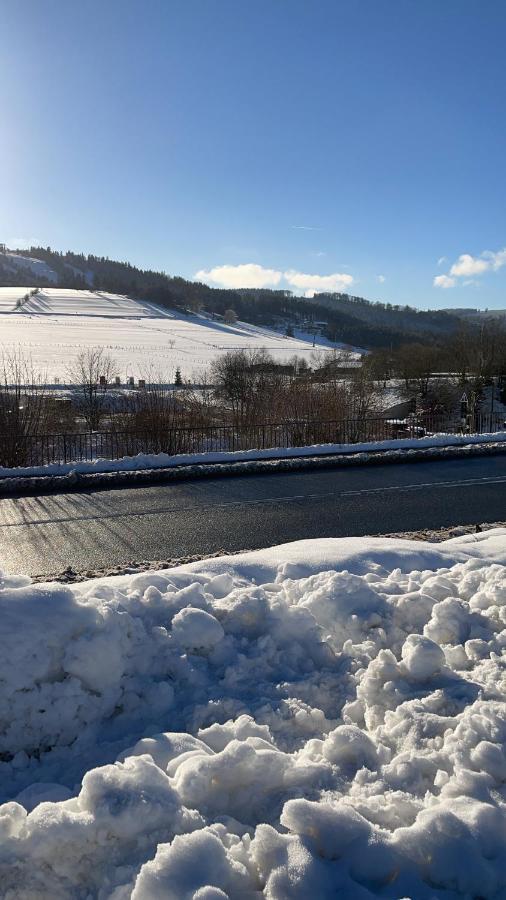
pixel 79 481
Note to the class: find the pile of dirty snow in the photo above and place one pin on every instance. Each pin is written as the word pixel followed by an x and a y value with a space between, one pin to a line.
pixel 321 719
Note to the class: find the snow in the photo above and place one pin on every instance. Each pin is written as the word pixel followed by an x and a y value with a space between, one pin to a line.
pixel 39 268
pixel 57 324
pixel 63 302
pixel 143 461
pixel 8 298
pixel 324 343
pixel 324 718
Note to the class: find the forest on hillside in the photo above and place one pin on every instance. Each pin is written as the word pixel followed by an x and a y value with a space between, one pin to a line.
pixel 350 320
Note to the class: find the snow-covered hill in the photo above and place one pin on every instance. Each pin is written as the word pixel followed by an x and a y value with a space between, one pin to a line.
pixel 56 324
pixel 14 262
pixel 65 302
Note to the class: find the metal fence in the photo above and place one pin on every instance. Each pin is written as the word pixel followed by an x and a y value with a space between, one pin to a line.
pixel 27 450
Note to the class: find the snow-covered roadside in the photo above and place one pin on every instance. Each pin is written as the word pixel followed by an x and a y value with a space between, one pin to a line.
pixel 165 461
pixel 69 575
pixel 322 718
pixel 78 481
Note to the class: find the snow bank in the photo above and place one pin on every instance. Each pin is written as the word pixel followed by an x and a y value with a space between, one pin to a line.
pixel 143 461
pixel 324 719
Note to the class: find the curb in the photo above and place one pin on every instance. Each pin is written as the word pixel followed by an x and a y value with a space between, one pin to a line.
pixel 74 481
pixel 71 576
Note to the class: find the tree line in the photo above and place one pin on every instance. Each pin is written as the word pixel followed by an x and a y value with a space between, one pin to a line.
pixel 349 319
pixel 242 390
pixel 477 352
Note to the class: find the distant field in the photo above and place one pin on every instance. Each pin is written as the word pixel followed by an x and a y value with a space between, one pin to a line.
pixel 56 324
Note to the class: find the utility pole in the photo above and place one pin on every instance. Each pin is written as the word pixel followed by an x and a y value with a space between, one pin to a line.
pixel 464 409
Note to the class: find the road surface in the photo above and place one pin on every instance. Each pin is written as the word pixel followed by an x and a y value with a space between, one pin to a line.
pixel 99 529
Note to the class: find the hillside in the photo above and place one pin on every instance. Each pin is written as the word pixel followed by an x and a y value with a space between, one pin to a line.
pixel 479 315
pixel 56 324
pixel 349 320
pixel 406 319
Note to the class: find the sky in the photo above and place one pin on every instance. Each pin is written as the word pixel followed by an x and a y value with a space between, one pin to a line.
pixel 353 145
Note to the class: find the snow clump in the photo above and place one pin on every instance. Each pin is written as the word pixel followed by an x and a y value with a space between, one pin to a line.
pixel 323 719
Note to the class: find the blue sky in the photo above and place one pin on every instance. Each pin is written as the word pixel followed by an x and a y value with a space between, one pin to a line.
pixel 279 142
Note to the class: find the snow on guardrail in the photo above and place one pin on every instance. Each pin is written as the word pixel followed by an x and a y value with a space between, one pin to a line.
pixel 143 461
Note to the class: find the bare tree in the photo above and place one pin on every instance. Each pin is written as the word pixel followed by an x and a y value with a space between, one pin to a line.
pixel 333 362
pixel 162 418
pixel 230 316
pixel 24 410
pixel 442 398
pixel 92 374
pixel 460 352
pixel 379 363
pixel 416 364
pixel 246 383
pixel 364 399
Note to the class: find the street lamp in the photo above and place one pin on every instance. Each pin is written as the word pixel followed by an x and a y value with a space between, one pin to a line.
pixel 492 399
pixel 464 410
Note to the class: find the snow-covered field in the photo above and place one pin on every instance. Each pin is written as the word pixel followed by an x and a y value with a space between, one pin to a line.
pixel 323 719
pixel 57 324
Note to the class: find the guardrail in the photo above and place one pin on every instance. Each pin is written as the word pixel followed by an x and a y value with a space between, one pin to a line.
pixel 29 450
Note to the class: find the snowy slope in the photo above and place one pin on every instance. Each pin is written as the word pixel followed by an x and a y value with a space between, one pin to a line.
pixel 66 302
pixel 56 324
pixel 322 719
pixel 40 269
pixel 9 296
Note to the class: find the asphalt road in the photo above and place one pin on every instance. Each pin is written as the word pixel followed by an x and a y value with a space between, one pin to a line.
pixel 99 529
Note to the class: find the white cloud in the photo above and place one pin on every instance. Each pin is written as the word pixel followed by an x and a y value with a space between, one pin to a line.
pixel 310 284
pixel 251 275
pixel 306 227
pixel 467 265
pixel 381 278
pixel 441 260
pixel 496 260
pixel 247 275
pixel 444 281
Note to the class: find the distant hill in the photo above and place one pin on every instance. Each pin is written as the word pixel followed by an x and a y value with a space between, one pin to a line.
pixel 478 315
pixel 406 319
pixel 346 319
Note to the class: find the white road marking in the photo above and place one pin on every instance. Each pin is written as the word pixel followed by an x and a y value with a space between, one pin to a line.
pixel 464 482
